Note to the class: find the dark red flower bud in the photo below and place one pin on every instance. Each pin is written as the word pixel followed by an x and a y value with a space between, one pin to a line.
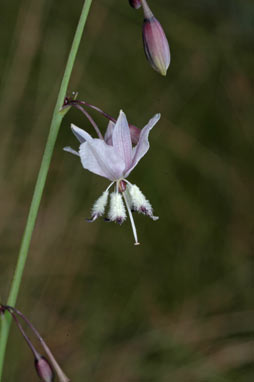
pixel 44 369
pixel 135 4
pixel 155 42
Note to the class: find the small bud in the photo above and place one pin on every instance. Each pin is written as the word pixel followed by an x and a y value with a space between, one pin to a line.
pixel 135 133
pixel 155 42
pixel 122 186
pixel 44 370
pixel 135 4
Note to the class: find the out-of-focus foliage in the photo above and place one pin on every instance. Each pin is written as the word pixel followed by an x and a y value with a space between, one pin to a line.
pixel 180 306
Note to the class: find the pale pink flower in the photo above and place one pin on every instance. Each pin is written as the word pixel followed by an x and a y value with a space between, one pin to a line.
pixel 114 158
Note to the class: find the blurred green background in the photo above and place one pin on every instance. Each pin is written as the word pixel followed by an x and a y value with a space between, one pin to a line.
pixel 180 306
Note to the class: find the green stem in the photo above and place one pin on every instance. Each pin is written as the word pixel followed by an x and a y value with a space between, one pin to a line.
pixel 40 183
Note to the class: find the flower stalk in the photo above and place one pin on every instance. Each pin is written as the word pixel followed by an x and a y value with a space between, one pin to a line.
pixel 135 131
pixel 40 183
pixel 42 366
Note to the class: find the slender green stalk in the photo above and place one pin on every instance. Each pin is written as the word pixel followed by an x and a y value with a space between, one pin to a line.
pixel 40 183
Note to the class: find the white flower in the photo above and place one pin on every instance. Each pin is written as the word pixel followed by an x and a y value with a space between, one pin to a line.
pixel 114 158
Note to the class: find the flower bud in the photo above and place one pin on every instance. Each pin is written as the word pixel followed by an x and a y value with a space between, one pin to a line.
pixel 155 42
pixel 122 186
pixel 44 369
pixel 135 133
pixel 135 4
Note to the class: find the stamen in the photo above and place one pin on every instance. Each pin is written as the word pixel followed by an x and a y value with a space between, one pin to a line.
pixel 131 219
pixel 92 219
pixel 100 204
pixel 111 184
pixel 140 203
pixel 117 210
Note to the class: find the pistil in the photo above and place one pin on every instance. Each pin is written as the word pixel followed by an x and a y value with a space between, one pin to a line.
pixel 131 219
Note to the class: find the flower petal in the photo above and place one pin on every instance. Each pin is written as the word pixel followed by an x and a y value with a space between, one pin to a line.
pixel 68 149
pixel 79 133
pixel 101 159
pixel 109 132
pixel 143 145
pixel 122 140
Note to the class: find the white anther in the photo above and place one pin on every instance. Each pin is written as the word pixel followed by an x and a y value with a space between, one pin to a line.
pixel 117 210
pixel 100 205
pixel 139 201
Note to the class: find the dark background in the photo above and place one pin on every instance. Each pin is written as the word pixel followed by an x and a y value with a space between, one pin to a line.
pixel 179 307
